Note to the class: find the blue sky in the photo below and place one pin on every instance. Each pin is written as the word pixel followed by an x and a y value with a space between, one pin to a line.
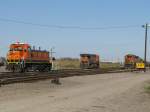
pixel 111 44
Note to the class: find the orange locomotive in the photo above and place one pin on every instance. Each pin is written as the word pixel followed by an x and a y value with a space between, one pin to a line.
pixel 131 60
pixel 21 57
pixel 89 61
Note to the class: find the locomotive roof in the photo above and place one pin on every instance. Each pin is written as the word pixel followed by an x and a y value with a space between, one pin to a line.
pixel 34 50
pixel 89 55
pixel 22 44
pixel 131 55
pixel 39 50
pixel 19 43
pixel 134 56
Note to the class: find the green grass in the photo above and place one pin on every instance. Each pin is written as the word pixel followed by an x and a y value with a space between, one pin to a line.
pixel 74 63
pixel 110 65
pixel 147 88
pixel 68 63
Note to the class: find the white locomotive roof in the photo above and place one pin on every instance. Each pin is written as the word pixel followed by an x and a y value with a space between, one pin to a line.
pixel 19 43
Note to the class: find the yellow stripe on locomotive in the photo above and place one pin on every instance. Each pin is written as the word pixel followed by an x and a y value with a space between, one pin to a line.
pixel 140 65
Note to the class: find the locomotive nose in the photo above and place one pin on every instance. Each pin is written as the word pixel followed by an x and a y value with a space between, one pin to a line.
pixel 15 55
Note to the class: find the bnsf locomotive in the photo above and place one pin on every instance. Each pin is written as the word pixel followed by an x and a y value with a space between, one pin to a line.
pixel 21 57
pixel 131 61
pixel 89 61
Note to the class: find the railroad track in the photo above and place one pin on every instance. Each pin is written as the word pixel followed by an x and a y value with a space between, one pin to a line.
pixel 9 77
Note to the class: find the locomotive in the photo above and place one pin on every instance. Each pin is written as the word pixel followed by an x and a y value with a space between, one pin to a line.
pixel 21 57
pixel 132 61
pixel 89 61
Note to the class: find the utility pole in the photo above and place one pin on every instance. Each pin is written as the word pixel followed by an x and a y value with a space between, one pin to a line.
pixel 51 52
pixel 51 56
pixel 145 49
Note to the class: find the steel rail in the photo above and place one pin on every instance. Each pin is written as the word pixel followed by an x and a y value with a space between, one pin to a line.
pixel 8 78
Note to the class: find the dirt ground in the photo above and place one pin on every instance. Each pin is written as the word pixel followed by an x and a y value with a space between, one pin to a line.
pixel 117 92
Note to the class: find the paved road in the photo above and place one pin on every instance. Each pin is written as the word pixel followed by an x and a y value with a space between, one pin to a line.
pixel 118 92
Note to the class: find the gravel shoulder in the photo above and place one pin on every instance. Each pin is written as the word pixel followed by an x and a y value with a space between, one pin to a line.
pixel 117 92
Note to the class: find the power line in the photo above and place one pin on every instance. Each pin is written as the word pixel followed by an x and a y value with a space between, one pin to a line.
pixel 68 27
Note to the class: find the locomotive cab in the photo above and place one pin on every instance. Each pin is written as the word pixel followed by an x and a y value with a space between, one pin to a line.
pixel 16 56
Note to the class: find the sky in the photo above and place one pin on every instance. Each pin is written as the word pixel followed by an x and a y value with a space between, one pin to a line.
pixel 109 42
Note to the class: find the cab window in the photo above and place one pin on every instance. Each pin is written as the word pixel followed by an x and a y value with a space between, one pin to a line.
pixel 11 49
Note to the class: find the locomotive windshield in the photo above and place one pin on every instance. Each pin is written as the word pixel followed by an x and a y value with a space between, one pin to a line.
pixel 16 49
pixel 19 47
